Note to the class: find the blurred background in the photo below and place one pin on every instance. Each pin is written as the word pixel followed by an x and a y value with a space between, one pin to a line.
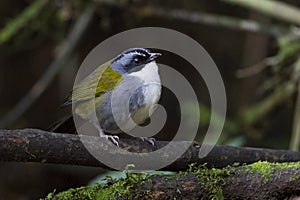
pixel 255 44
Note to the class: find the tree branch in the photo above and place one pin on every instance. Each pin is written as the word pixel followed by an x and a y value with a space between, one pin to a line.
pixel 213 20
pixel 260 180
pixel 239 183
pixel 33 145
pixel 277 9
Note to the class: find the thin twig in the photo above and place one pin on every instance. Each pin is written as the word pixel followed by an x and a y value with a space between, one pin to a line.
pixel 214 20
pixel 257 111
pixel 20 21
pixel 39 87
pixel 205 18
pixel 278 9
pixel 256 68
pixel 295 139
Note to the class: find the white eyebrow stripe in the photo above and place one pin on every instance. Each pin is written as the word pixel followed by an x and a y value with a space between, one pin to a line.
pixel 136 52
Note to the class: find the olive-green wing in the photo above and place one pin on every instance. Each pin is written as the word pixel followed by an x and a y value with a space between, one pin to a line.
pixel 104 78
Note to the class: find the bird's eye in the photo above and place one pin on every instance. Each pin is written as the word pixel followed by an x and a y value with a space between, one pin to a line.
pixel 136 60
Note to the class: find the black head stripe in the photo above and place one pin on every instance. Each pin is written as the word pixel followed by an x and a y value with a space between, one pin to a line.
pixel 139 51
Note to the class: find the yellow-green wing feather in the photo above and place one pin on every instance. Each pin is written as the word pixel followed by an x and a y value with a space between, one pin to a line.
pixel 104 78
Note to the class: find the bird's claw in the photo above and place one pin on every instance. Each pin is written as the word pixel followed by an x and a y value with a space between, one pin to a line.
pixel 113 138
pixel 150 140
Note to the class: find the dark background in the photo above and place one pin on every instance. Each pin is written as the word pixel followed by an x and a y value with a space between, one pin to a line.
pixel 261 109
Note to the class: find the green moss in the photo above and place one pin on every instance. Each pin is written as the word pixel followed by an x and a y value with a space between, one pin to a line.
pixel 211 180
pixel 111 190
pixel 267 169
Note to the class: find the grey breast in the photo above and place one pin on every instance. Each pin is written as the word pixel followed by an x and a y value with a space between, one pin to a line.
pixel 120 105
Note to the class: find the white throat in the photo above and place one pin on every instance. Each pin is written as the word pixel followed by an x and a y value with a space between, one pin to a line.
pixel 149 73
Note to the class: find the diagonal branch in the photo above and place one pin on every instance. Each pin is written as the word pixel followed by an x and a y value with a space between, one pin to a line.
pixel 275 8
pixel 40 86
pixel 232 23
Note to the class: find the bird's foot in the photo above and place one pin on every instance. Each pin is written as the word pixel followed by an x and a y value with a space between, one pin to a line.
pixel 150 140
pixel 113 138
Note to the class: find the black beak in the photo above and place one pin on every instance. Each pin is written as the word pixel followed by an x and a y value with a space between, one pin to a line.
pixel 154 56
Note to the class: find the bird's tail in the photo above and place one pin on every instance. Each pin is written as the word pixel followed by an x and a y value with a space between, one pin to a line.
pixel 65 125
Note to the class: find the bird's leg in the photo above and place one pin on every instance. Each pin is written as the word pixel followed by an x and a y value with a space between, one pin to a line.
pixel 151 140
pixel 113 138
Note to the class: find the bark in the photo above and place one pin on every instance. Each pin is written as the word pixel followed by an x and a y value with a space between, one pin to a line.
pixel 243 183
pixel 33 145
pixel 240 182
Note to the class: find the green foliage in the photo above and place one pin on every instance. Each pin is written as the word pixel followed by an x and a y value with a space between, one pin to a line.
pixel 288 47
pixel 20 21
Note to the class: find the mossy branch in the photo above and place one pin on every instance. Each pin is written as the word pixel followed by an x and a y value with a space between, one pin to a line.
pixel 261 180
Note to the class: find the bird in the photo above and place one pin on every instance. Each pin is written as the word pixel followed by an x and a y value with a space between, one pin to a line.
pixel 132 79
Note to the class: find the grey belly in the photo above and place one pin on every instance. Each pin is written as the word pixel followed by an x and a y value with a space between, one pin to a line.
pixel 126 106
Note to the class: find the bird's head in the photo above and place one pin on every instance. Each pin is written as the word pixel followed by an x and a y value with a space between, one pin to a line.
pixel 133 60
